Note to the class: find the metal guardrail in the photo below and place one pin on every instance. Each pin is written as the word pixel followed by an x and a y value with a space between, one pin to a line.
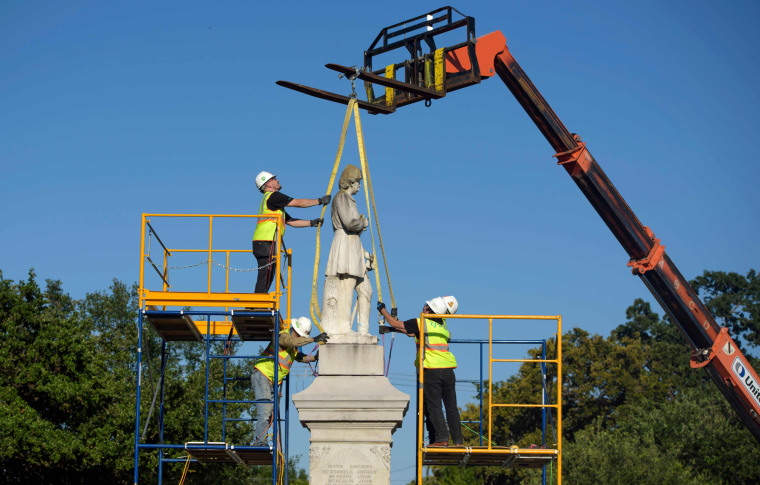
pixel 204 296
pixel 490 454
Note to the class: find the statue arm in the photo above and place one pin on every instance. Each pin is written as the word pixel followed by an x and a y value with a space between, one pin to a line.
pixel 348 213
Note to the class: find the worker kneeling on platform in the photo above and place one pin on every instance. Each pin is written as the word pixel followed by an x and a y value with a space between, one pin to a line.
pixel 439 365
pixel 262 378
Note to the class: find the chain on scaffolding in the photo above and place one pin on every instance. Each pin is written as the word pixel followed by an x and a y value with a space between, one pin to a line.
pixel 202 263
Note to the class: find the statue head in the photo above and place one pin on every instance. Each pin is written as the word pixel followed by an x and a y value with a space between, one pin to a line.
pixel 350 175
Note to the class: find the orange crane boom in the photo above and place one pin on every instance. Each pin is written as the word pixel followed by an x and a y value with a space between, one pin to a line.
pixel 431 75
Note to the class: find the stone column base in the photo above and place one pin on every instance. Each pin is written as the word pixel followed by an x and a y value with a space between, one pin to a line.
pixel 351 410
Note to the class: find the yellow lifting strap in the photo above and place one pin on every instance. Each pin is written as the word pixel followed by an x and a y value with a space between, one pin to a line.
pixel 367 193
pixel 314 309
pixel 185 470
pixel 440 67
pixel 390 93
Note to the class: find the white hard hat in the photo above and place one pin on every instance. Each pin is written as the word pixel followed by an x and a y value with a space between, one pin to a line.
pixel 451 304
pixel 301 325
pixel 262 178
pixel 437 305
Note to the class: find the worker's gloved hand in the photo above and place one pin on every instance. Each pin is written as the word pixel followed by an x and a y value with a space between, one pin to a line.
pixel 384 329
pixel 316 222
pixel 316 356
pixel 380 306
pixel 394 312
pixel 325 199
pixel 321 338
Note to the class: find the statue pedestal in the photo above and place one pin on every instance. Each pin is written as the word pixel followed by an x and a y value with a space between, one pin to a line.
pixel 351 409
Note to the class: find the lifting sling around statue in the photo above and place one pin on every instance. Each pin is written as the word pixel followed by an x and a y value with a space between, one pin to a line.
pixel 348 263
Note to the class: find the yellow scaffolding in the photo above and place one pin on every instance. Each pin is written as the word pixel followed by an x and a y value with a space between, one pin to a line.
pixel 490 455
pixel 181 327
pixel 247 316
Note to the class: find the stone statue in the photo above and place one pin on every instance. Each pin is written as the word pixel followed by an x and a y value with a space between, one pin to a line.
pixel 351 436
pixel 348 263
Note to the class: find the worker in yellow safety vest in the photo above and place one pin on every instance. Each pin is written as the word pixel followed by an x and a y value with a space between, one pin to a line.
pixel 439 364
pixel 262 378
pixel 273 206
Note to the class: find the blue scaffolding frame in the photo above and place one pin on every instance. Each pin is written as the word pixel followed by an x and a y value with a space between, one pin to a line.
pixel 492 455
pixel 544 391
pixel 205 450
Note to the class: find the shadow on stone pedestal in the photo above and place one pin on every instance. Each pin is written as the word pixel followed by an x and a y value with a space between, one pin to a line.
pixel 351 410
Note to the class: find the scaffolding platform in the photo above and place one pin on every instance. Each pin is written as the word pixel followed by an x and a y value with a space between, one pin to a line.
pixel 178 299
pixel 256 324
pixel 173 327
pixel 215 310
pixel 483 456
pixel 250 324
pixel 483 451
pixel 220 452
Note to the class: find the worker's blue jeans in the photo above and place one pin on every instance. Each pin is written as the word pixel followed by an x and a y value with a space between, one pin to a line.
pixel 439 388
pixel 262 390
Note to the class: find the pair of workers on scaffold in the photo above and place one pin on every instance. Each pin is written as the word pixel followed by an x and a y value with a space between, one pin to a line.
pixel 273 205
pixel 439 363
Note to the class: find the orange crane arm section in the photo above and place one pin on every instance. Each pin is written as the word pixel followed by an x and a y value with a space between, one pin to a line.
pixel 713 348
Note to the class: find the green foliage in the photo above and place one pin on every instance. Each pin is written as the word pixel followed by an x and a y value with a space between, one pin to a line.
pixel 51 427
pixel 611 456
pixel 643 358
pixel 694 438
pixel 633 409
pixel 67 391
pixel 451 476
pixel 296 477
pixel 734 300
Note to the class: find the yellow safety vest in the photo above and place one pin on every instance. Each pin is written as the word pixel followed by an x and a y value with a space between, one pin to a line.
pixel 285 359
pixel 266 226
pixel 437 355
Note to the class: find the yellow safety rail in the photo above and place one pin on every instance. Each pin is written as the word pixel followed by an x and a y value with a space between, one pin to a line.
pixel 205 297
pixel 490 450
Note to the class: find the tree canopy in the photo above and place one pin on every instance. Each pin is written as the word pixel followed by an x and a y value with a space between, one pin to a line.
pixel 633 409
pixel 733 300
pixel 68 373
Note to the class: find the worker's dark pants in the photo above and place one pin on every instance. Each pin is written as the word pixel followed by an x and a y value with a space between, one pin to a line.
pixel 262 250
pixel 439 387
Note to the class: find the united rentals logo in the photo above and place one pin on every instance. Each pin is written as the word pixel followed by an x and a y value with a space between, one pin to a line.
pixel 752 386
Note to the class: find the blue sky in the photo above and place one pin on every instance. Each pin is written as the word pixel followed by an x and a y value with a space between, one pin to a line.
pixel 112 109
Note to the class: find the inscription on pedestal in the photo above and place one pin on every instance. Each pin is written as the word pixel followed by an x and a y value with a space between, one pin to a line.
pixel 351 412
pixel 364 473
pixel 350 464
pixel 351 474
